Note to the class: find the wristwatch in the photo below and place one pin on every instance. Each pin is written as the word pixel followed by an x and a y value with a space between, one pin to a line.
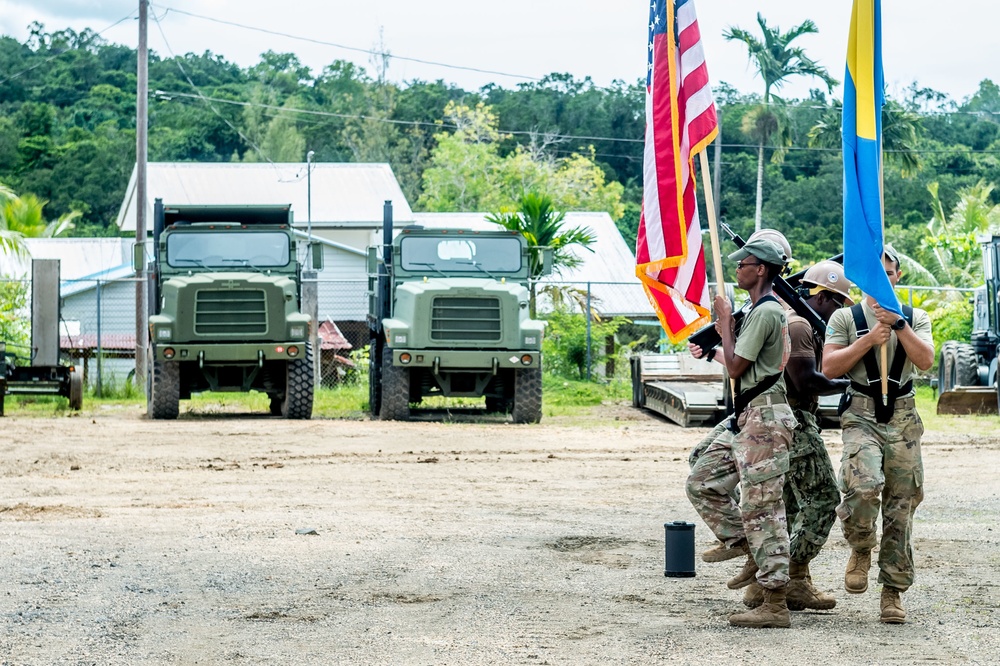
pixel 899 324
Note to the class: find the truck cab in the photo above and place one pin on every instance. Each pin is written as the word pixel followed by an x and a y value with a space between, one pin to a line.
pixel 226 308
pixel 454 320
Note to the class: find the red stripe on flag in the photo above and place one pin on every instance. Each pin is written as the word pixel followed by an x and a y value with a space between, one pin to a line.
pixel 672 272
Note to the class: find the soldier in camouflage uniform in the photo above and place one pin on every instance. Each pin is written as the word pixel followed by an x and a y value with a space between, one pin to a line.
pixel 881 468
pixel 810 494
pixel 754 453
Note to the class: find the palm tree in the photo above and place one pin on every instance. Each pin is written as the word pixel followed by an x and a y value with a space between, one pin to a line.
pixel 776 61
pixel 952 248
pixel 21 217
pixel 536 219
pixel 900 132
pixel 11 241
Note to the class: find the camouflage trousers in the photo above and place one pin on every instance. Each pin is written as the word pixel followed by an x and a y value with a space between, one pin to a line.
pixel 810 493
pixel 881 469
pixel 756 460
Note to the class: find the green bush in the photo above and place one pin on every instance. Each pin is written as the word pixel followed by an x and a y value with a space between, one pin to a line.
pixel 951 321
pixel 565 343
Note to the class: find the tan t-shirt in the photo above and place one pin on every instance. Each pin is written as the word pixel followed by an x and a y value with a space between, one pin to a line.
pixel 803 345
pixel 763 340
pixel 843 332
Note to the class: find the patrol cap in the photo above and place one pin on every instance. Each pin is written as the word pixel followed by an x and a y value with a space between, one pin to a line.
pixel 891 252
pixel 766 250
pixel 828 276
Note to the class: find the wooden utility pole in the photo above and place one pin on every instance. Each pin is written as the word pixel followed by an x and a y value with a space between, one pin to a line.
pixel 141 125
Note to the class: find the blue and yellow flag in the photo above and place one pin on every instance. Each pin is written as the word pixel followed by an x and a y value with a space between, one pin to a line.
pixel 862 134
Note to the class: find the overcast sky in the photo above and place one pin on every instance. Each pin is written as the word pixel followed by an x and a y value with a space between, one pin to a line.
pixel 950 51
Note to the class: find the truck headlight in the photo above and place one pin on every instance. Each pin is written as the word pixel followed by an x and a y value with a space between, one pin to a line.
pixel 164 333
pixel 297 331
pixel 399 339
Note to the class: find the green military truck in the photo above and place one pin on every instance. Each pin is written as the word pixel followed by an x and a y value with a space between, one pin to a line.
pixel 226 308
pixel 449 316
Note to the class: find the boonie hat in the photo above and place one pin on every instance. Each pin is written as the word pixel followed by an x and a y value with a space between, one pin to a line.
pixel 766 250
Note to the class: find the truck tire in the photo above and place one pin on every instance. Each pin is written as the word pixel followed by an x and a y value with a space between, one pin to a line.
pixel 945 363
pixel 528 396
pixel 164 388
pixel 395 390
pixel 299 386
pixel 3 393
pixel 375 377
pixel 76 390
pixel 966 366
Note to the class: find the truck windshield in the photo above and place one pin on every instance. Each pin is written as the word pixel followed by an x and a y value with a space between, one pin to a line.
pixel 227 249
pixel 461 255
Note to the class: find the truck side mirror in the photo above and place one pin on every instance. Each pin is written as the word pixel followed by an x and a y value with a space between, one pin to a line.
pixel 372 261
pixel 317 256
pixel 548 257
pixel 138 257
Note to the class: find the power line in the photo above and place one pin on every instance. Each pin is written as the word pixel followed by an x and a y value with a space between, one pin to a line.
pixel 233 127
pixel 62 51
pixel 371 52
pixel 168 95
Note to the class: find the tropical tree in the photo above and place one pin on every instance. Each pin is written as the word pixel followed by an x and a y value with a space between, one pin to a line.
pixel 22 217
pixel 955 258
pixel 468 171
pixel 542 226
pixel 776 61
pixel 11 241
pixel 901 130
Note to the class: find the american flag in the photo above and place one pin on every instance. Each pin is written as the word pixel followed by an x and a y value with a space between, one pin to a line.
pixel 680 122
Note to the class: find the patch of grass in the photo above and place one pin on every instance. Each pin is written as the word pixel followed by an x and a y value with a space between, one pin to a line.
pixel 969 425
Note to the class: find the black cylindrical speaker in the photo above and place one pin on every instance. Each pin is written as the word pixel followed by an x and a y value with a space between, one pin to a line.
pixel 679 549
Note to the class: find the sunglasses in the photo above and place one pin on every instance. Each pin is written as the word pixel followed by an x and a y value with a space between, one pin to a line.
pixel 741 264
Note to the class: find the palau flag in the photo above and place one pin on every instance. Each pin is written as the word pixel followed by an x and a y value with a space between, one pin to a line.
pixel 862 134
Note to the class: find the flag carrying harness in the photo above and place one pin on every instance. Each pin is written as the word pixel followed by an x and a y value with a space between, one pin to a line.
pixel 883 411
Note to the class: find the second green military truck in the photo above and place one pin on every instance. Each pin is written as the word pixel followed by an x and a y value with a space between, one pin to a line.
pixel 449 315
pixel 226 308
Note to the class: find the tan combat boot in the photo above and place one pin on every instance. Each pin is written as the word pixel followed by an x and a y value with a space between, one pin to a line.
pixel 720 552
pixel 856 577
pixel 753 595
pixel 772 613
pixel 746 575
pixel 800 592
pixel 892 606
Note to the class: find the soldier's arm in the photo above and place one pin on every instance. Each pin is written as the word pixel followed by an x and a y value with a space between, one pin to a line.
pixel 918 350
pixel 838 359
pixel 808 380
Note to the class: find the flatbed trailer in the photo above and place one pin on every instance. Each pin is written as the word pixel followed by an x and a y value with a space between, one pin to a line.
pixel 691 392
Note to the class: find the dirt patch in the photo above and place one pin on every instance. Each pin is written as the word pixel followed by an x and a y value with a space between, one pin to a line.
pixel 226 539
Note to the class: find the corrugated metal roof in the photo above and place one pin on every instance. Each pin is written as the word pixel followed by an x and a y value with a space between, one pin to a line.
pixel 611 261
pixel 79 258
pixel 342 194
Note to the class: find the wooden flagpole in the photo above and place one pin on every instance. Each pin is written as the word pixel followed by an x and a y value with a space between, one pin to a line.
pixel 713 233
pixel 881 258
pixel 713 224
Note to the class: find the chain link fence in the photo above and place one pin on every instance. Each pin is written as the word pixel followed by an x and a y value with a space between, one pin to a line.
pixel 593 326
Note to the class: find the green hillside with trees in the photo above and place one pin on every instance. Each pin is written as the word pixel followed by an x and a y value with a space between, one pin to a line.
pixel 67 137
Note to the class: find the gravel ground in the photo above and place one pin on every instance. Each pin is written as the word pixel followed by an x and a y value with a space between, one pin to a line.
pixel 125 541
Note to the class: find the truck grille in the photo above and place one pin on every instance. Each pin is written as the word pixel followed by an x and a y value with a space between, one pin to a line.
pixel 468 319
pixel 230 312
